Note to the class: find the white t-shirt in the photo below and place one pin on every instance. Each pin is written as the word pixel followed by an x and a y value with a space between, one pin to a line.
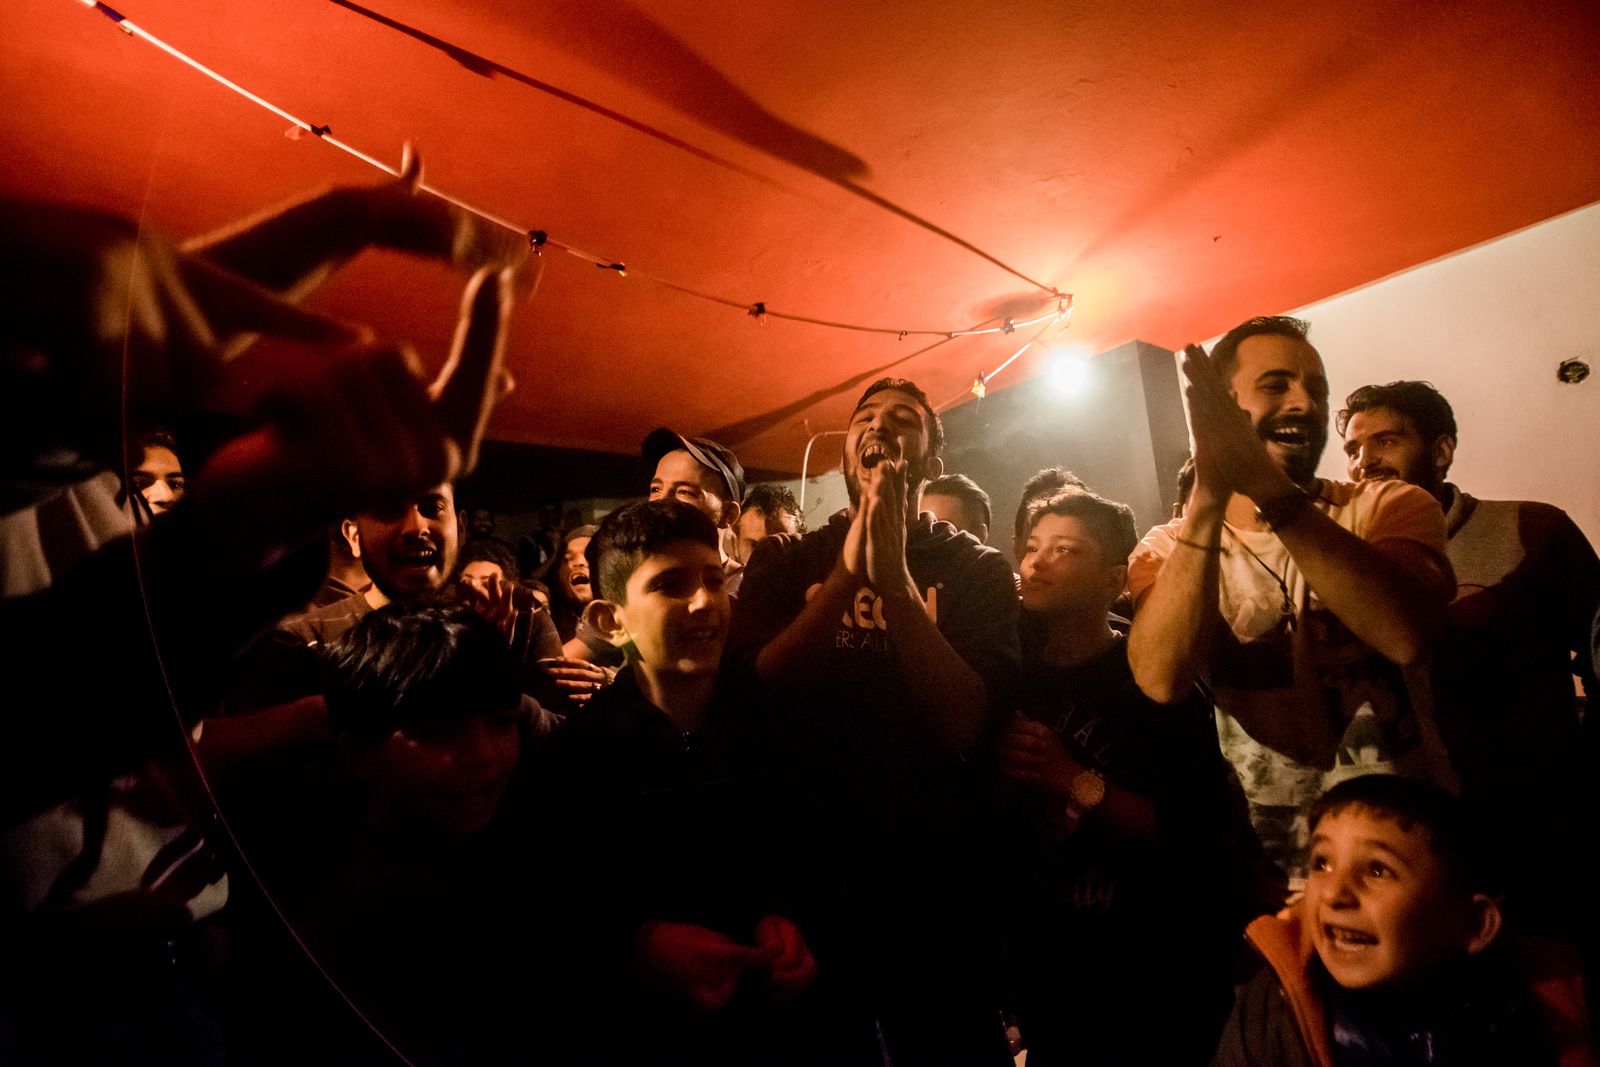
pixel 1301 702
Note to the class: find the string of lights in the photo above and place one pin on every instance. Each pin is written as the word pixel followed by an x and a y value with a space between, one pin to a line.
pixel 980 384
pixel 541 240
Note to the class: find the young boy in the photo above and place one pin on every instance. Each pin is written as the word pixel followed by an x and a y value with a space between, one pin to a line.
pixel 666 821
pixel 400 884
pixel 1119 806
pixel 1394 955
pixel 424 699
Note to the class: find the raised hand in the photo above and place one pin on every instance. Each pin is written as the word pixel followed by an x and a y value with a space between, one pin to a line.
pixel 473 377
pixel 1229 456
pixel 365 433
pixel 853 557
pixel 103 317
pixel 406 216
pixel 884 497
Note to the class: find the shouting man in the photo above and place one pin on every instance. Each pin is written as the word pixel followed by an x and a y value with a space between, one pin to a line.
pixel 886 635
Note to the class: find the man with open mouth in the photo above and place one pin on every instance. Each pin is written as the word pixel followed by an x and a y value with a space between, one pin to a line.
pixel 407 553
pixel 1330 593
pixel 889 638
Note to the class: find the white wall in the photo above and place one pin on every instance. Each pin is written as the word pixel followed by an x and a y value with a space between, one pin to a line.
pixel 1487 326
pixel 825 492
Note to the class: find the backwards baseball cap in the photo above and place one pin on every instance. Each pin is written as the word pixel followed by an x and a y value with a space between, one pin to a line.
pixel 706 452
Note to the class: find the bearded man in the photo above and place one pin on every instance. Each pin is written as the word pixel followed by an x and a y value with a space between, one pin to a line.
pixel 1308 607
pixel 886 638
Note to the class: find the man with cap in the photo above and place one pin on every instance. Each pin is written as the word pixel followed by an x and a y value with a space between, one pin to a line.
pixel 698 471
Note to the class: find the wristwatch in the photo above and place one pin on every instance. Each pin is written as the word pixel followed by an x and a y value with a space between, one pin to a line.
pixel 1086 790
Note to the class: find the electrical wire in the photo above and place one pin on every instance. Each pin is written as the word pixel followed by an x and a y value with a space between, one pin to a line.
pixel 756 309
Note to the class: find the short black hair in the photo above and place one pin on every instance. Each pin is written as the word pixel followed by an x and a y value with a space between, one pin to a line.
pixel 964 489
pixel 769 498
pixel 1225 353
pixel 1045 483
pixel 913 390
pixel 1110 523
pixel 637 530
pixel 490 551
pixel 404 663
pixel 1423 405
pixel 157 437
pixel 1455 831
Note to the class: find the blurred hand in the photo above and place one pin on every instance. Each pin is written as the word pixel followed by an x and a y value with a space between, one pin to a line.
pixel 699 966
pixel 362 435
pixel 790 966
pixel 404 215
pixel 101 317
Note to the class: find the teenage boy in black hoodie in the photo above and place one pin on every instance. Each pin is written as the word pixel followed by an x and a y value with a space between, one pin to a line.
pixel 886 636
pixel 1118 807
pixel 666 816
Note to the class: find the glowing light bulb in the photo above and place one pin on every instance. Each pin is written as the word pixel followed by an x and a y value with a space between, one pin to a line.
pixel 1068 372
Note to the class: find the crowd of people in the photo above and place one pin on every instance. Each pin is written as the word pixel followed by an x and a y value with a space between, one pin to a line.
pixel 318 770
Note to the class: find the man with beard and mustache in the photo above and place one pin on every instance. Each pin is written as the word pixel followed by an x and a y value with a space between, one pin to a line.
pixel 1301 603
pixel 886 637
pixel 407 553
pixel 1528 584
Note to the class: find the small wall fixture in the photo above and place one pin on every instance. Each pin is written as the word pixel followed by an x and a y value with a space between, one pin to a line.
pixel 1572 371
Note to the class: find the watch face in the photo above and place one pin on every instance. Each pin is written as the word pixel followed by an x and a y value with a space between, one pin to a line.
pixel 1088 789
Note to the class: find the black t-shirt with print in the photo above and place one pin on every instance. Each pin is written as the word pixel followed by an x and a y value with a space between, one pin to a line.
pixel 906 822
pixel 1093 909
pixel 853 689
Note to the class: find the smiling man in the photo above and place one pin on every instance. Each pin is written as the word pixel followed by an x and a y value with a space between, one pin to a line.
pixel 1302 603
pixel 1529 583
pixel 407 553
pixel 888 637
pixel 702 474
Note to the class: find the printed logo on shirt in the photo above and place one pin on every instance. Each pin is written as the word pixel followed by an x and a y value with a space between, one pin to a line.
pixel 1082 727
pixel 863 623
pixel 1094 891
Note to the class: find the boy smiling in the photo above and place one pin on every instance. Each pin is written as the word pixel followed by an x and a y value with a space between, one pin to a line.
pixel 667 814
pixel 1395 954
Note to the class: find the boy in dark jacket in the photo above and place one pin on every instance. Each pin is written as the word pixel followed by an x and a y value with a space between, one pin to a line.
pixel 1394 954
pixel 1118 808
pixel 665 816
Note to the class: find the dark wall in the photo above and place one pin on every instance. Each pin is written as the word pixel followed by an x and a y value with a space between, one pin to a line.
pixel 1124 434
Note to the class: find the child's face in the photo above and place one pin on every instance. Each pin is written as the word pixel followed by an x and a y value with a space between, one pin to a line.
pixel 1065 571
pixel 676 613
pixel 1379 901
pixel 446 772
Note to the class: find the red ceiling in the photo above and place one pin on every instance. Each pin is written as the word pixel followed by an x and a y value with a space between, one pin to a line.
pixel 1176 166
